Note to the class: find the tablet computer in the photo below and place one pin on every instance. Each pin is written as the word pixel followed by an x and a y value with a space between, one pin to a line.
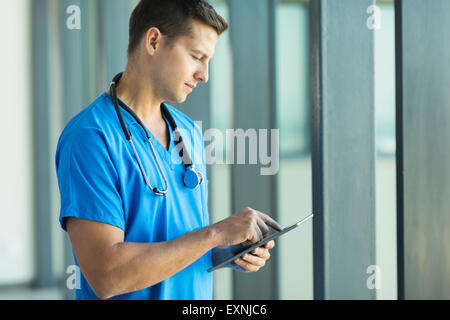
pixel 247 249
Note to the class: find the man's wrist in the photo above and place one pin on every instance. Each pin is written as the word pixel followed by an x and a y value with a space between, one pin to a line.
pixel 214 235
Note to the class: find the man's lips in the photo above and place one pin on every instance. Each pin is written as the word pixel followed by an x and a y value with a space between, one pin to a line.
pixel 190 86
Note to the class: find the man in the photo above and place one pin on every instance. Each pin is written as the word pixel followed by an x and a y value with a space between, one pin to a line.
pixel 129 242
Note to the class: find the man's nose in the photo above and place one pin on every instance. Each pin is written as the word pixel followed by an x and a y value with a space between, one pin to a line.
pixel 203 74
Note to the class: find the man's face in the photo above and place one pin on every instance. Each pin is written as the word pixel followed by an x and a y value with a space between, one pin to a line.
pixel 180 66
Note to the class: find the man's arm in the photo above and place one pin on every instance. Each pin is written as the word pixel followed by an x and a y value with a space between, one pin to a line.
pixel 113 267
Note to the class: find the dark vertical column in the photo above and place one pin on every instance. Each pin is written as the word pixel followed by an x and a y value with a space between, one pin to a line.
pixel 73 63
pixel 45 276
pixel 91 50
pixel 114 26
pixel 73 73
pixel 424 174
pixel 253 44
pixel 343 148
pixel 399 152
pixel 315 21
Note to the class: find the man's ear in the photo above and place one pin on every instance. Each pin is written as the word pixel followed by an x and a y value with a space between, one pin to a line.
pixel 153 38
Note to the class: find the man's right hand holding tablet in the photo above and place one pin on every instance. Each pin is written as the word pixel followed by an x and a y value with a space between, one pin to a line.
pixel 247 226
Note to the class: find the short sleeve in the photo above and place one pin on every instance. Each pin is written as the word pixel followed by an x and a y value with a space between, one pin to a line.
pixel 88 180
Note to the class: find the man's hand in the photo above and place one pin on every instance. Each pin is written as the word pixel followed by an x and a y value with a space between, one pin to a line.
pixel 253 261
pixel 248 225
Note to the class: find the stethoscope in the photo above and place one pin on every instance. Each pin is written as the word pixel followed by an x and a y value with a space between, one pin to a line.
pixel 192 178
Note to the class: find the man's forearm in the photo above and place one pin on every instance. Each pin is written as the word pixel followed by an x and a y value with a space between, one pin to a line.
pixel 134 266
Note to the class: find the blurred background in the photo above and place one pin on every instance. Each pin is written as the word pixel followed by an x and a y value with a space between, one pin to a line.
pixel 54 70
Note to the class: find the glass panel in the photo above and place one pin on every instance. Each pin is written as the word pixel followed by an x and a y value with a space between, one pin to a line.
pixel 16 164
pixel 295 181
pixel 222 105
pixel 386 234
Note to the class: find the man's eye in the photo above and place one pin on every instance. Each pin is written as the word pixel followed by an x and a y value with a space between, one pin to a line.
pixel 195 58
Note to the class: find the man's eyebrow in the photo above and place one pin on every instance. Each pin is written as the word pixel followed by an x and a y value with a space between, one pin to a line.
pixel 200 52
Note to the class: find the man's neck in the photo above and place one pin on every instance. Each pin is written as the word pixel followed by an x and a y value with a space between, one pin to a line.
pixel 140 96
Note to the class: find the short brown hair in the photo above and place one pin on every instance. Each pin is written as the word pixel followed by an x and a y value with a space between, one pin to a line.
pixel 172 17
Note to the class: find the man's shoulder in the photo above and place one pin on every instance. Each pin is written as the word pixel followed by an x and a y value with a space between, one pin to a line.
pixel 93 120
pixel 95 116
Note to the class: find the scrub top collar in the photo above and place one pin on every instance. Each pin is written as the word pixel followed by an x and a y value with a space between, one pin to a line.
pixel 135 127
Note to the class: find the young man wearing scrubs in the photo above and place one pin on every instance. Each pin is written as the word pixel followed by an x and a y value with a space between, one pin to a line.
pixel 129 242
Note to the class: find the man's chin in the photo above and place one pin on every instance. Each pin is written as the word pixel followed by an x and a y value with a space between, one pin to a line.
pixel 179 99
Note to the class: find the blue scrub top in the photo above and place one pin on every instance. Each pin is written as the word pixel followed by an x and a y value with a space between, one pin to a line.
pixel 100 180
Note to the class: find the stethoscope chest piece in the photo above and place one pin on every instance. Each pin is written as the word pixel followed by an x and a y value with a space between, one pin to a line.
pixel 192 178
